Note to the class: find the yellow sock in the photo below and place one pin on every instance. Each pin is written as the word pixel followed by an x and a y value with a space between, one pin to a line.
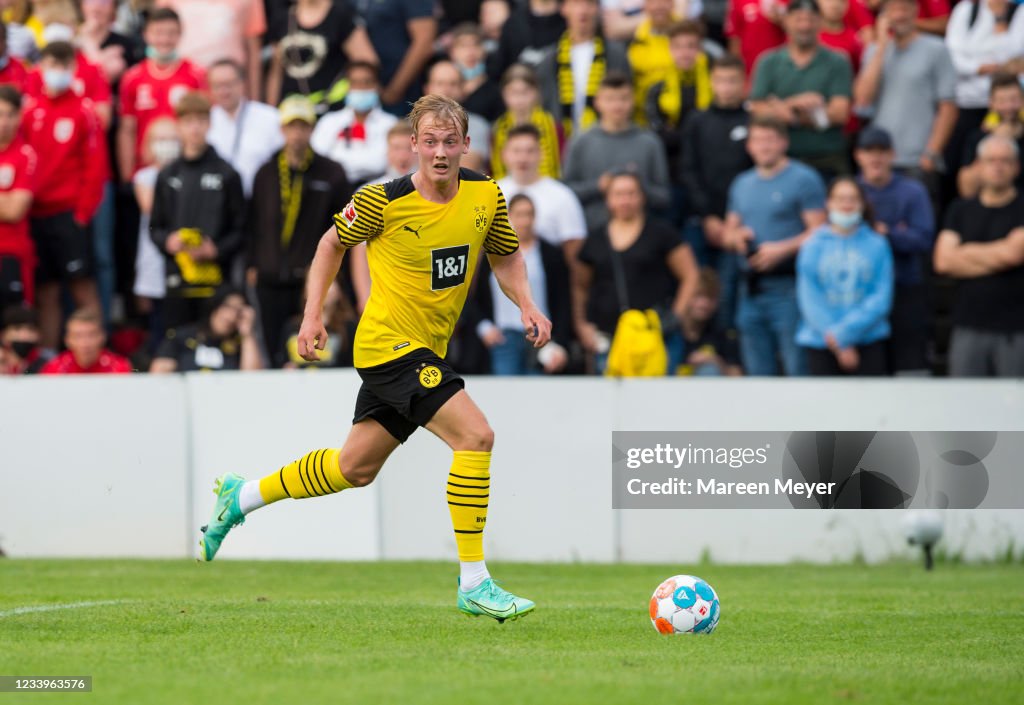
pixel 469 484
pixel 313 475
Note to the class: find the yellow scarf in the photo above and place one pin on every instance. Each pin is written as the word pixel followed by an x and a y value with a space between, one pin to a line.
pixel 291 193
pixel 567 87
pixel 670 102
pixel 549 158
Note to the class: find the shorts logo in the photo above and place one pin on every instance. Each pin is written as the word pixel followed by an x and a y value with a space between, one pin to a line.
pixel 63 129
pixel 349 214
pixel 430 376
pixel 481 219
pixel 6 176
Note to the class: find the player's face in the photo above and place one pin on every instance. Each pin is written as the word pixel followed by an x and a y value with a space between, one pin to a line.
pixel 684 49
pixel 440 147
pixel 85 341
pixel 727 84
pixel 624 198
pixel 522 156
pixel 1007 102
pixel 766 146
pixel 163 36
pixel 10 117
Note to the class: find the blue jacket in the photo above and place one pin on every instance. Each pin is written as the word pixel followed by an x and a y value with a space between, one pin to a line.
pixel 903 205
pixel 844 287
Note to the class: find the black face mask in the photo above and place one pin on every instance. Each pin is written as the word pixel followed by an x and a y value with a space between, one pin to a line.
pixel 22 348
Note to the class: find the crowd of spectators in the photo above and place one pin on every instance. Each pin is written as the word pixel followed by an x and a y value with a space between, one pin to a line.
pixel 823 187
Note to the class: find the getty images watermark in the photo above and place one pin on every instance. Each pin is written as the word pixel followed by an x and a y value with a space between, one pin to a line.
pixel 817 470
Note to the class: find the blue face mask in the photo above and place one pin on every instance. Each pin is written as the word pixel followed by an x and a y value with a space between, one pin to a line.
pixel 468 74
pixel 156 56
pixel 846 221
pixel 57 80
pixel 362 101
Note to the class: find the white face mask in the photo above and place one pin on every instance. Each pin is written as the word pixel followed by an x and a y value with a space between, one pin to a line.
pixel 165 151
pixel 844 220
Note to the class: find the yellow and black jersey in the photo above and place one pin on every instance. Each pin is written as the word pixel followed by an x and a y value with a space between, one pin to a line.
pixel 422 257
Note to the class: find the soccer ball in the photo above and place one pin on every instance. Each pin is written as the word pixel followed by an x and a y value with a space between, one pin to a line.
pixel 684 604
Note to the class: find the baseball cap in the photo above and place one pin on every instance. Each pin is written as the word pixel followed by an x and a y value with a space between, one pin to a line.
pixel 874 138
pixel 797 5
pixel 297 107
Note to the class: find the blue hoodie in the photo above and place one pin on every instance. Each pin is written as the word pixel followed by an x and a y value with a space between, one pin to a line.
pixel 844 287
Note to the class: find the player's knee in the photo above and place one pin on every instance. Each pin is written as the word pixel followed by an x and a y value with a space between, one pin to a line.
pixel 362 474
pixel 479 439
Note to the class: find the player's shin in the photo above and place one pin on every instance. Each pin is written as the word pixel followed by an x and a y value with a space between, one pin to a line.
pixel 468 491
pixel 315 474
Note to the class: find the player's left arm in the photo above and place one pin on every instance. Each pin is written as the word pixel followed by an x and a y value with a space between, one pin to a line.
pixel 510 271
pixel 509 267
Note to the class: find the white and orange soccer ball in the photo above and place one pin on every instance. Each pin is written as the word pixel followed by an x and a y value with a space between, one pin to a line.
pixel 685 604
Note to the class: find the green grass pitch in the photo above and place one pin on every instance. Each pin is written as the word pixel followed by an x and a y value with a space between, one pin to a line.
pixel 276 632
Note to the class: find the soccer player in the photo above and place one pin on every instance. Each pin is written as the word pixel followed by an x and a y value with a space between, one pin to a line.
pixel 424 233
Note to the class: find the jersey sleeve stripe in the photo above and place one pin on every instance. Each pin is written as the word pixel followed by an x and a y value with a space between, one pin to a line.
pixel 363 217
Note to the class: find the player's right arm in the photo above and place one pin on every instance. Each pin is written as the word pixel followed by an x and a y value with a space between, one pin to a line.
pixel 357 222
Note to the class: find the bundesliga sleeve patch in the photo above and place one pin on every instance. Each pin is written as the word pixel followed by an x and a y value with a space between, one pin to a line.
pixel 349 214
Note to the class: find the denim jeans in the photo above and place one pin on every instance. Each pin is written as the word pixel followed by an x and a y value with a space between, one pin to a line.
pixel 767 323
pixel 513 357
pixel 103 250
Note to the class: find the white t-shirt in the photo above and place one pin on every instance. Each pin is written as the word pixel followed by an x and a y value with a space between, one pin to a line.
pixel 362 157
pixel 506 313
pixel 150 274
pixel 558 215
pixel 581 56
pixel 248 140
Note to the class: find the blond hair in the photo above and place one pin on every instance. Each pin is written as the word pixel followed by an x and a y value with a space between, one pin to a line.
pixel 442 109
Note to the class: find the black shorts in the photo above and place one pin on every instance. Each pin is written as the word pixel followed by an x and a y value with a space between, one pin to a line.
pixel 63 249
pixel 404 394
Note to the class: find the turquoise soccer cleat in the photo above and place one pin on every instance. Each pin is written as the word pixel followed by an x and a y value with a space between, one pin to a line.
pixel 227 514
pixel 490 600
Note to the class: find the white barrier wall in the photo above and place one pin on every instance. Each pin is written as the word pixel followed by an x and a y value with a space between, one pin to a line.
pixel 124 467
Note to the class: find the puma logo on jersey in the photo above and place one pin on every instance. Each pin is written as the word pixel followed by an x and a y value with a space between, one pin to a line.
pixel 415 232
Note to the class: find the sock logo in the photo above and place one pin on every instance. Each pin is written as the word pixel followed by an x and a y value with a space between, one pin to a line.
pixel 481 520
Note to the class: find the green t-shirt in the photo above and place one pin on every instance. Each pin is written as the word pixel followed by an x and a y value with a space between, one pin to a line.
pixel 828 73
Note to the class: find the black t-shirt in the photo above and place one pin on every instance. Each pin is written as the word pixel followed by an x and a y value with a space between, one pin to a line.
pixel 994 302
pixel 196 349
pixel 649 281
pixel 312 56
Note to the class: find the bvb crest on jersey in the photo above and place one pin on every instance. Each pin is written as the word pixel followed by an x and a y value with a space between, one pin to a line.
pixel 481 218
